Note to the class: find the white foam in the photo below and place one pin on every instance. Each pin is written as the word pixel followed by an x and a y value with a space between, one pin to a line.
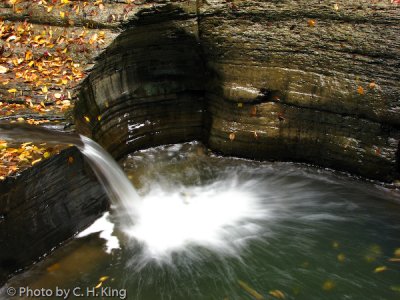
pixel 220 216
pixel 106 229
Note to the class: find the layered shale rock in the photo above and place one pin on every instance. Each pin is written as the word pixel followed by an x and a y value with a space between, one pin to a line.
pixel 147 87
pixel 319 82
pixel 283 80
pixel 44 206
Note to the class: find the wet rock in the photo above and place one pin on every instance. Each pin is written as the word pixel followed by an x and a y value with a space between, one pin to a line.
pixel 290 80
pixel 147 88
pixel 45 206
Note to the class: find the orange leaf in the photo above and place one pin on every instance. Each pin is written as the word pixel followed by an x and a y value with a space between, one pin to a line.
pixel 360 90
pixel 311 23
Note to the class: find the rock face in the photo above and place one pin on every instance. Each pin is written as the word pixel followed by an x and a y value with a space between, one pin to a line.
pixel 281 80
pixel 44 206
pixel 147 87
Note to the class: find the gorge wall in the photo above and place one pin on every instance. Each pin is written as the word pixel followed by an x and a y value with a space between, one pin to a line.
pixel 280 80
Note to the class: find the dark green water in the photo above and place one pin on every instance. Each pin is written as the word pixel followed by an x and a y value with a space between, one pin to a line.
pixel 312 234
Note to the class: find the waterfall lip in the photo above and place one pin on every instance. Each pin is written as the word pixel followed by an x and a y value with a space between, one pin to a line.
pixel 20 132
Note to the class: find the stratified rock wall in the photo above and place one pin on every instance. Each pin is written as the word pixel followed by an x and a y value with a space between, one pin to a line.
pixel 44 206
pixel 147 88
pixel 312 81
pixel 308 80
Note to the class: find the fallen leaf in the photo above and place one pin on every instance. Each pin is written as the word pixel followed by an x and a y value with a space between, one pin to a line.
pixel 12 91
pixel 372 85
pixel 3 70
pixel 36 161
pixel 46 155
pixel 341 257
pixel 232 136
pixel 250 290
pixel 360 90
pixel 380 269
pixel 99 285
pixel 311 23
pixel 103 278
pixel 277 294
pixel 328 285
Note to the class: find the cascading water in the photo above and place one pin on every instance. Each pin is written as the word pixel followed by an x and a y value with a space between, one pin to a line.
pixel 219 216
pixel 108 172
pixel 203 227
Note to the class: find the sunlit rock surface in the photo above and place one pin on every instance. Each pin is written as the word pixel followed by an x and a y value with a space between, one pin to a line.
pixel 283 80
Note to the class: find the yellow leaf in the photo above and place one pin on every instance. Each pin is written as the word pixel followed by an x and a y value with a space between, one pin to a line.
pixel 341 257
pixel 250 290
pixel 103 278
pixel 49 8
pixel 277 294
pixel 28 55
pixel 335 245
pixel 36 161
pixel 46 155
pixel 232 136
pixel 93 39
pixel 397 252
pixel 20 119
pixel 3 70
pixel 335 6
pixel 98 118
pixel 44 89
pixel 87 119
pixel 64 1
pixel 62 14
pixel 380 269
pixel 99 285
pixel 240 104
pixel 12 91
pixel 328 285
pixel 57 95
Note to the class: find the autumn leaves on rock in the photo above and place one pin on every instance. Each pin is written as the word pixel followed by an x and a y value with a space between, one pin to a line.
pixel 45 48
